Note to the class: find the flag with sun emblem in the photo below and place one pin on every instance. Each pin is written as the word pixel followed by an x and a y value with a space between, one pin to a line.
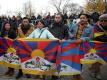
pixel 38 56
pixel 93 52
pixel 8 53
pixel 69 59
pixel 2 50
pixel 4 44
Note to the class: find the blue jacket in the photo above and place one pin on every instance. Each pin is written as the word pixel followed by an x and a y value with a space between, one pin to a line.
pixel 87 33
pixel 41 33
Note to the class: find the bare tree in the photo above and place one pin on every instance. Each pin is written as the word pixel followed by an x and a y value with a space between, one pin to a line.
pixel 28 8
pixel 18 13
pixel 59 4
pixel 9 12
pixel 72 8
pixel 25 8
pixel 66 6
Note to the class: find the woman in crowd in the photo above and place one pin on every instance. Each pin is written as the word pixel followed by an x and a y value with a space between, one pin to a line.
pixel 41 31
pixel 8 32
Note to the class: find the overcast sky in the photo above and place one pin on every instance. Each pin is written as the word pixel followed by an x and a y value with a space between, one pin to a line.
pixel 10 6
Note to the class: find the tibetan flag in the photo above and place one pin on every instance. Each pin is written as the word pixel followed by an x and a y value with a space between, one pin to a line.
pixel 2 50
pixel 38 56
pixel 97 28
pixel 3 46
pixel 9 56
pixel 93 52
pixel 69 59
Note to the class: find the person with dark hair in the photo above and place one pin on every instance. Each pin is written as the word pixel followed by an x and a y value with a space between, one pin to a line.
pixel 82 31
pixel 33 19
pixel 95 16
pixel 65 16
pixel 87 16
pixel 8 32
pixel 58 28
pixel 39 17
pixel 41 31
pixel 13 22
pixel 24 30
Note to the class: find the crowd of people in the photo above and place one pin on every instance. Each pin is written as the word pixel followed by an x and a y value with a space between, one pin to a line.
pixel 55 27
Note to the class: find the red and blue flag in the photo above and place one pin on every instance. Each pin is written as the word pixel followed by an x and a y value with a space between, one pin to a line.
pixel 70 59
pixel 94 51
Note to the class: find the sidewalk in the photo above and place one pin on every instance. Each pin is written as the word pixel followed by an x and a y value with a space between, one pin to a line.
pixel 85 74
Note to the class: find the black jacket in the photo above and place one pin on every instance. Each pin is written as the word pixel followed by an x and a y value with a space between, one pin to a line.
pixel 59 30
pixel 11 34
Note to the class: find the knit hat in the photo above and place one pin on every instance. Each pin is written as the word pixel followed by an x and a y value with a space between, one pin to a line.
pixel 103 17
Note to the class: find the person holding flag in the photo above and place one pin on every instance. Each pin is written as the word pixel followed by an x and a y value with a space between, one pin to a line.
pixel 100 35
pixel 80 32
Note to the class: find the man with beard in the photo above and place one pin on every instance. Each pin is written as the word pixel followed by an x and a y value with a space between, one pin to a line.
pixel 24 30
pixel 58 28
